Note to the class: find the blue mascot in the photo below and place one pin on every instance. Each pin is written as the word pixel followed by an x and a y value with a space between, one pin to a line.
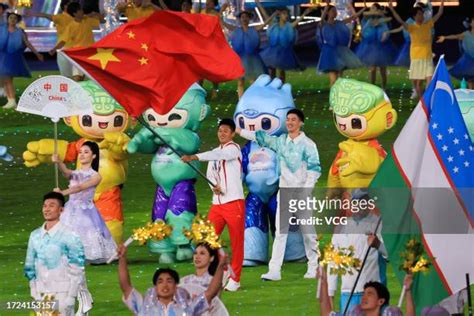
pixel 264 106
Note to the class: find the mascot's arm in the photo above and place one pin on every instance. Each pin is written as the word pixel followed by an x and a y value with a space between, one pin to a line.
pixel 40 151
pixel 184 141
pixel 116 143
pixel 142 142
pixel 358 158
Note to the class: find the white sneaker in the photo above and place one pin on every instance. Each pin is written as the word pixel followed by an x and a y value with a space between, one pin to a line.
pixel 11 104
pixel 271 276
pixel 232 286
pixel 310 274
pixel 414 95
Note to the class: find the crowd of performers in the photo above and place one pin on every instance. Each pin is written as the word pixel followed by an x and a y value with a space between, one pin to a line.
pixel 278 157
pixel 376 51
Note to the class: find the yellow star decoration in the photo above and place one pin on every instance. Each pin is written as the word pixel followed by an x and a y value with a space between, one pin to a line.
pixel 143 61
pixel 145 47
pixel 131 35
pixel 104 55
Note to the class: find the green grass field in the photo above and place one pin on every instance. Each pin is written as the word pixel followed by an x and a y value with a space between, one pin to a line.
pixel 21 190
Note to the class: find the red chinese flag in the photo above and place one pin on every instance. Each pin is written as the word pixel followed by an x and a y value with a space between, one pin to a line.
pixel 153 61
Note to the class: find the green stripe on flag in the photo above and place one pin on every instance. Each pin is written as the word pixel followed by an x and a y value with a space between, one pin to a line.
pixel 394 202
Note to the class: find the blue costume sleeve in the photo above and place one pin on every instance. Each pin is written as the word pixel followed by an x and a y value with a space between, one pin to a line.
pixel 75 251
pixel 266 140
pixel 30 271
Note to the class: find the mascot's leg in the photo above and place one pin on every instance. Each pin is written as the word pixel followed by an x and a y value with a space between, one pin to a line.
pixel 110 208
pixel 165 248
pixel 256 232
pixel 182 210
pixel 294 250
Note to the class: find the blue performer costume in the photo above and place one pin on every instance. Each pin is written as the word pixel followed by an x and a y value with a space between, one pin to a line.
pixel 12 46
pixel 403 58
pixel 279 53
pixel 263 108
pixel 333 40
pixel 247 44
pixel 372 51
pixel 464 67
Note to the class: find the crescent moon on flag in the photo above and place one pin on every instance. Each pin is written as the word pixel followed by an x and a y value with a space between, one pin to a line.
pixel 441 85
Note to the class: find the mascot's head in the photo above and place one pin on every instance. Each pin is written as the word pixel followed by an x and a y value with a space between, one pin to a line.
pixel 108 115
pixel 362 111
pixel 264 105
pixel 188 113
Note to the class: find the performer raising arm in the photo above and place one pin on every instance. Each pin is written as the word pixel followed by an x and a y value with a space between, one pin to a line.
pixel 421 54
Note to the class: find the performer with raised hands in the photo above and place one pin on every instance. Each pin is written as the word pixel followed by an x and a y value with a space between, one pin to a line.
pixel 421 53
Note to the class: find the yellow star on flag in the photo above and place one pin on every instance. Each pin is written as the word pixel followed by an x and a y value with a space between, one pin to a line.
pixel 145 47
pixel 143 61
pixel 104 55
pixel 131 35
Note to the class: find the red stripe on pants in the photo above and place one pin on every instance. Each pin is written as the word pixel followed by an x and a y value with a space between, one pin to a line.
pixel 232 214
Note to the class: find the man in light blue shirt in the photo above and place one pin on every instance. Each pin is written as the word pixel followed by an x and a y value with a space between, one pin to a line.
pixel 55 258
pixel 300 169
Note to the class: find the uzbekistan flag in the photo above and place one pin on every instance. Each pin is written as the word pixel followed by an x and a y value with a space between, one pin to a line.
pixel 425 188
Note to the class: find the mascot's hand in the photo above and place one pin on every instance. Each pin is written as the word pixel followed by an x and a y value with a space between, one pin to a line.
pixel 143 136
pixel 357 158
pixel 116 142
pixel 165 133
pixel 39 152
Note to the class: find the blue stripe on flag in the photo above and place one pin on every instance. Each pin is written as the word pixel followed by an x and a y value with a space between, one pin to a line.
pixel 450 135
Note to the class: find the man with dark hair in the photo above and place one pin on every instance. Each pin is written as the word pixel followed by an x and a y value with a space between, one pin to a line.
pixel 171 272
pixel 55 259
pixel 228 206
pixel 300 169
pixel 165 298
pixel 376 297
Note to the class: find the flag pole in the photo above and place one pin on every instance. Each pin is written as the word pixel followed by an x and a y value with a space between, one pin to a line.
pixel 56 165
pixel 361 268
pixel 148 127
pixel 469 298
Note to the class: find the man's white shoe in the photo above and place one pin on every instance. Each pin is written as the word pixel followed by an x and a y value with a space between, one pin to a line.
pixel 310 274
pixel 11 104
pixel 232 286
pixel 271 276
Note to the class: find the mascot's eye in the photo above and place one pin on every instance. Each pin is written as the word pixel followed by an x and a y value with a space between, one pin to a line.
pixel 151 118
pixel 356 123
pixel 241 122
pixel 174 116
pixel 266 123
pixel 87 121
pixel 118 121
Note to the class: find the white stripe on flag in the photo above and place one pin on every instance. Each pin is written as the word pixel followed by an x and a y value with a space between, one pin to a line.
pixel 454 252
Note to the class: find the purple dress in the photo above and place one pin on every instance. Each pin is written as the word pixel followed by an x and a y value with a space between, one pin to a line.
pixel 82 215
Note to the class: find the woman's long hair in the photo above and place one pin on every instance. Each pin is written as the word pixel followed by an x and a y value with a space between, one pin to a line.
pixel 212 253
pixel 95 150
